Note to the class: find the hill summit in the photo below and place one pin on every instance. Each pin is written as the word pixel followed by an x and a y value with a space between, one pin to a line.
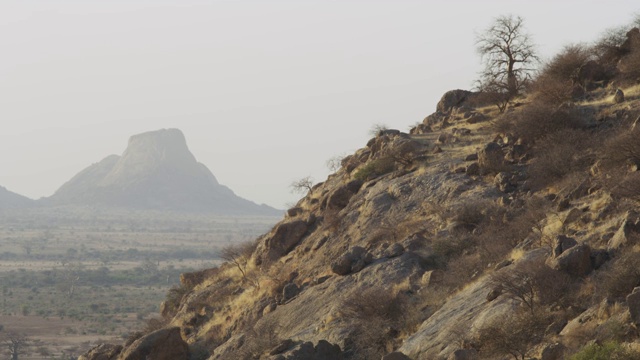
pixel 157 172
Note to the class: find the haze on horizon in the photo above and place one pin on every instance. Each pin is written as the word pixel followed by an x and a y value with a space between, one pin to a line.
pixel 264 92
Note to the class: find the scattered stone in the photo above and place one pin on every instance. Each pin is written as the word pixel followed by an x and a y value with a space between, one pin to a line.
pixel 442 138
pixel 471 157
pixel 306 351
pixel 618 97
pixel 322 279
pixel 436 150
pixel 342 265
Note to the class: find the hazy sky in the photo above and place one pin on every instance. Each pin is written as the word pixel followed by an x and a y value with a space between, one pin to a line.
pixel 264 91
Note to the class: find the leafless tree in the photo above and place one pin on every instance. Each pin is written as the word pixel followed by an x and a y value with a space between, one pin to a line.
pixel 303 185
pixel 508 55
pixel 239 255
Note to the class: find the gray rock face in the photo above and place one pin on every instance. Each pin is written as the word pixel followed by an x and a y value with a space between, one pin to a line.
pixel 156 171
pixel 163 344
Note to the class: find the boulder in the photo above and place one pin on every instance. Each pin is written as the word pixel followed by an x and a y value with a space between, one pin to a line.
pixel 396 355
pixel 394 250
pixel 476 118
pixel 575 261
pixel 163 344
pixel 491 157
pixel 562 243
pixel 290 291
pixel 351 261
pixel 633 301
pixel 339 198
pixel 618 97
pixel 599 257
pixel 472 169
pixel 285 237
pixel 622 237
pixel 306 351
pixel 464 354
pixel 471 157
pixel 552 352
pixel 102 352
pixel 452 99
pixel 429 278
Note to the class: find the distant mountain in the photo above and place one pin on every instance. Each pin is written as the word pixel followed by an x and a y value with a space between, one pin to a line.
pixel 156 171
pixel 11 200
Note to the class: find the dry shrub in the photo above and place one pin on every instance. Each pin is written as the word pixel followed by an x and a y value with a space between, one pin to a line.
pixel 537 120
pixel 380 315
pixel 619 277
pixel 622 149
pixel 555 83
pixel 559 154
pixel 513 335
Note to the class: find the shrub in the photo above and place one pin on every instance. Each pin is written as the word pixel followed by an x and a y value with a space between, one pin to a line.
pixel 512 335
pixel 537 120
pixel 621 276
pixel 606 351
pixel 555 83
pixel 375 168
pixel 559 154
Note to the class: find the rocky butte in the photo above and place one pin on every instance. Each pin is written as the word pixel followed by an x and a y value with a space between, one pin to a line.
pixel 156 172
pixel 480 234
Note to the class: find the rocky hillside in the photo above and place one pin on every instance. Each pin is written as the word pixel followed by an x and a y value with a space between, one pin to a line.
pixel 11 200
pixel 478 235
pixel 156 171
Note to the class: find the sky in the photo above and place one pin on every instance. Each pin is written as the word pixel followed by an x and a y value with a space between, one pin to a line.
pixel 264 91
